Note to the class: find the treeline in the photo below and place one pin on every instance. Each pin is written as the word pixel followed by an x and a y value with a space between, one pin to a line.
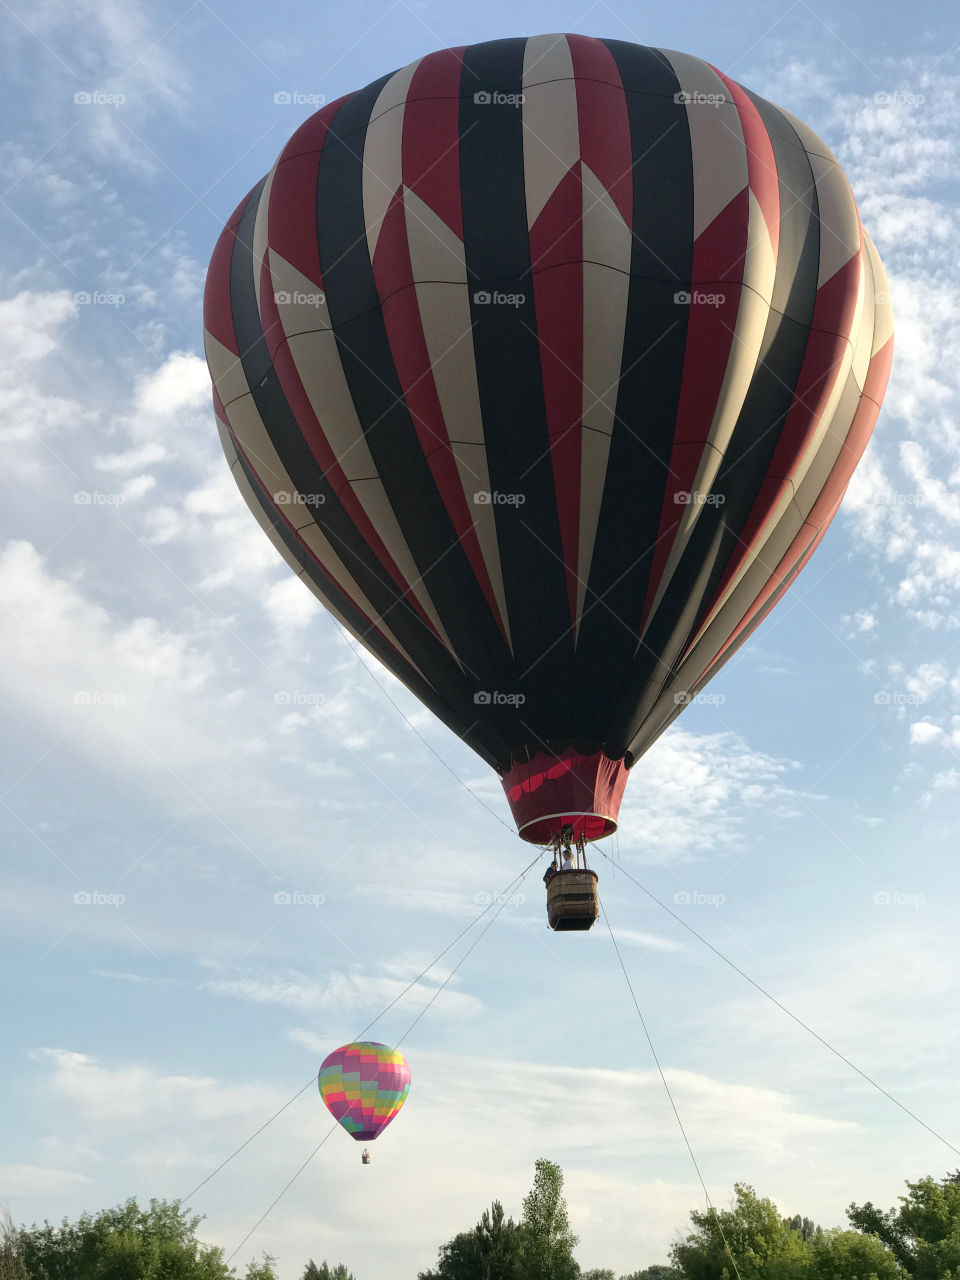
pixel 919 1239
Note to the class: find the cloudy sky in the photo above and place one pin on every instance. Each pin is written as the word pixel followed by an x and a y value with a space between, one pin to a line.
pixel 188 735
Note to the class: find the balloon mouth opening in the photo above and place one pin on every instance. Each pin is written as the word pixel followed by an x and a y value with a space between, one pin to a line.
pixel 566 788
pixel 591 826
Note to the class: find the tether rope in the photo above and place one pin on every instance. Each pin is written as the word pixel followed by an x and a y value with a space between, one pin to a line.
pixel 783 1008
pixel 669 1093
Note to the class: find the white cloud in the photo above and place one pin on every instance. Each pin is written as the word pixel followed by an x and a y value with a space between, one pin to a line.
pixel 690 791
pixel 923 732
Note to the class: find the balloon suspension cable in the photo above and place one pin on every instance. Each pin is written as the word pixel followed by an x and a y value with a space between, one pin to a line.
pixel 666 1086
pixel 432 750
pixel 799 1021
pixel 498 900
pixel 501 901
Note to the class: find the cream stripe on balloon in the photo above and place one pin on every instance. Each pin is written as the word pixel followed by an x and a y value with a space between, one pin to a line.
pixel 443 301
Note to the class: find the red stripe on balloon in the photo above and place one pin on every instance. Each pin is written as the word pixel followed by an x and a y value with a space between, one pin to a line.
pixel 431 136
pixel 603 120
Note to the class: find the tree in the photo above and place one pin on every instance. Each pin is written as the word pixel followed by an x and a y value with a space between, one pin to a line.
pixel 923 1235
pixel 325 1272
pixel 12 1265
pixel 547 1243
pixel 752 1231
pixel 262 1270
pixel 598 1273
pixel 848 1255
pixel 491 1251
pixel 659 1271
pixel 124 1243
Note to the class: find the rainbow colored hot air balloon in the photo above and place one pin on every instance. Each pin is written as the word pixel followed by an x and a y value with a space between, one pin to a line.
pixel 363 1086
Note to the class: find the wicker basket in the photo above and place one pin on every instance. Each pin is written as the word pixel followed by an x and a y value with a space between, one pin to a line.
pixel 572 900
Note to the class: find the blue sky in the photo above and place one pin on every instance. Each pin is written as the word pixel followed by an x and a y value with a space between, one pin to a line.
pixel 150 629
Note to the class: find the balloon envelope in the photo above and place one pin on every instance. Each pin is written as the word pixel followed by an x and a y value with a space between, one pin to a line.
pixel 545 364
pixel 363 1086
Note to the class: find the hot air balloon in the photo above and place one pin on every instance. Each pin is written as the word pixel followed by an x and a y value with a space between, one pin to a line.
pixel 545 363
pixel 363 1086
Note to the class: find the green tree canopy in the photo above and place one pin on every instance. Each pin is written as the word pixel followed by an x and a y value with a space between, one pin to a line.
pixel 491 1251
pixel 547 1243
pixel 923 1234
pixel 124 1243
pixel 324 1272
pixel 12 1265
pixel 752 1231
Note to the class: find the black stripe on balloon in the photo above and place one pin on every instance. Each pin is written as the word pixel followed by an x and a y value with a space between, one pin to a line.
pixel 391 436
pixel 356 622
pixel 651 375
pixel 326 510
pixel 768 400
pixel 506 349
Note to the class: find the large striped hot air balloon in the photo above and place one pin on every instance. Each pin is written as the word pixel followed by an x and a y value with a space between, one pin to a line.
pixel 545 363
pixel 363 1086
